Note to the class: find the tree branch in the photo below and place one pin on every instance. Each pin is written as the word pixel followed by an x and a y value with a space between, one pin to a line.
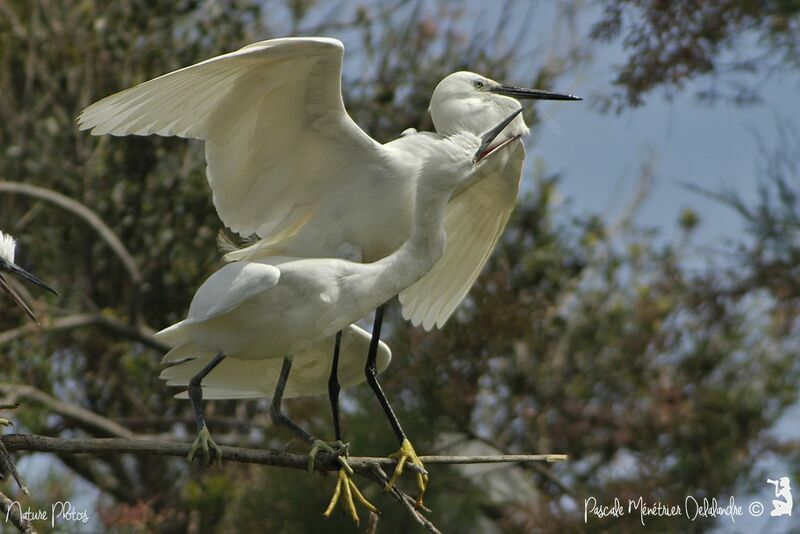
pixel 275 458
pixel 76 413
pixel 8 508
pixel 139 334
pixel 76 208
pixel 369 467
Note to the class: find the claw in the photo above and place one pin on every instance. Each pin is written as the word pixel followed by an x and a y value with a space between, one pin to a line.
pixel 408 454
pixel 204 442
pixel 5 422
pixel 341 451
pixel 350 489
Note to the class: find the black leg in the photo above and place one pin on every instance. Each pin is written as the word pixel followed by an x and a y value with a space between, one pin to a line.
pixel 195 391
pixel 278 417
pixel 334 388
pixel 372 375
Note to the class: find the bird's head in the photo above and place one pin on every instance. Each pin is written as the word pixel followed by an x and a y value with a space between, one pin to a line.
pixel 466 101
pixel 8 247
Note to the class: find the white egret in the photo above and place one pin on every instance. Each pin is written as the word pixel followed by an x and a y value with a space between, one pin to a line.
pixel 8 247
pixel 275 307
pixel 287 164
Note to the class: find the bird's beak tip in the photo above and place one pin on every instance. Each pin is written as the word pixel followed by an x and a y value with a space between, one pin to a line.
pixel 522 93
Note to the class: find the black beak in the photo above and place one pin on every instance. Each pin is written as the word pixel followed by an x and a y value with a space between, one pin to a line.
pixel 22 273
pixel 521 93
pixel 16 297
pixel 488 137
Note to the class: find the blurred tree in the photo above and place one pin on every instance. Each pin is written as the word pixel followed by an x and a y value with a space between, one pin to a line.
pixel 670 43
pixel 582 337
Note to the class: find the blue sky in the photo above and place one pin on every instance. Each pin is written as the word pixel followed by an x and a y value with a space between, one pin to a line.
pixel 712 146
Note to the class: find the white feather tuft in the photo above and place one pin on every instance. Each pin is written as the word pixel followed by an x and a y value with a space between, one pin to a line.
pixel 7 247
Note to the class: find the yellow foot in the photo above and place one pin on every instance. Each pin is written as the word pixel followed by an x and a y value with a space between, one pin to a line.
pixel 5 422
pixel 408 454
pixel 204 442
pixel 350 489
pixel 340 450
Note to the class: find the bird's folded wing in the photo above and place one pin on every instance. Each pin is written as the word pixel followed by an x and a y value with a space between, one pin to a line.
pixel 278 138
pixel 230 286
pixel 474 221
pixel 246 379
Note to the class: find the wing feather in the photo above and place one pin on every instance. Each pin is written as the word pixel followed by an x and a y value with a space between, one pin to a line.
pixel 278 138
pixel 230 286
pixel 474 222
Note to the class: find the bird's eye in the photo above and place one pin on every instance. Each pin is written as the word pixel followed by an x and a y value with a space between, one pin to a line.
pixel 478 84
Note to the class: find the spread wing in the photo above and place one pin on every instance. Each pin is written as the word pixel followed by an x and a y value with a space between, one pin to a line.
pixel 274 123
pixel 474 221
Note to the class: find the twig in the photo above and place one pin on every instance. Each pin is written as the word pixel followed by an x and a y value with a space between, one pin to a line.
pixel 139 333
pixel 84 213
pixel 76 413
pixel 9 508
pixel 7 464
pixel 409 503
pixel 495 459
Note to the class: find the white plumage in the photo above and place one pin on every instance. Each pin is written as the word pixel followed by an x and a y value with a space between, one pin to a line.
pixel 286 162
pixel 279 307
pixel 8 246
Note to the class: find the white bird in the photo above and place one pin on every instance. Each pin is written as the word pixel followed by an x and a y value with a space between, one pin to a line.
pixel 287 164
pixel 8 247
pixel 275 307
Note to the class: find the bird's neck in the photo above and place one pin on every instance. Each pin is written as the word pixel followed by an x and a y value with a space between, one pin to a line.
pixel 420 252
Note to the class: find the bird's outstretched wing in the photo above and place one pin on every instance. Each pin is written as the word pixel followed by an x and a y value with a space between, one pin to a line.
pixel 248 379
pixel 275 126
pixel 474 221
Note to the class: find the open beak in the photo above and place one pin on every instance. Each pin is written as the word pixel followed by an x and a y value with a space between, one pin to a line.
pixel 22 273
pixel 488 137
pixel 16 297
pixel 521 93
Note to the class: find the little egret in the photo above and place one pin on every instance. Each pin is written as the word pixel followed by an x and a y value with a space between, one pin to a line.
pixel 8 247
pixel 276 307
pixel 286 162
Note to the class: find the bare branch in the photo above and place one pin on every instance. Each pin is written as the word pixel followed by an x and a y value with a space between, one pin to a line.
pixel 84 213
pixel 76 413
pixel 325 462
pixel 9 508
pixel 139 334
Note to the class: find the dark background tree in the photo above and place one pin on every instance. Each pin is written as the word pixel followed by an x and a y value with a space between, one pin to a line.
pixel 584 336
